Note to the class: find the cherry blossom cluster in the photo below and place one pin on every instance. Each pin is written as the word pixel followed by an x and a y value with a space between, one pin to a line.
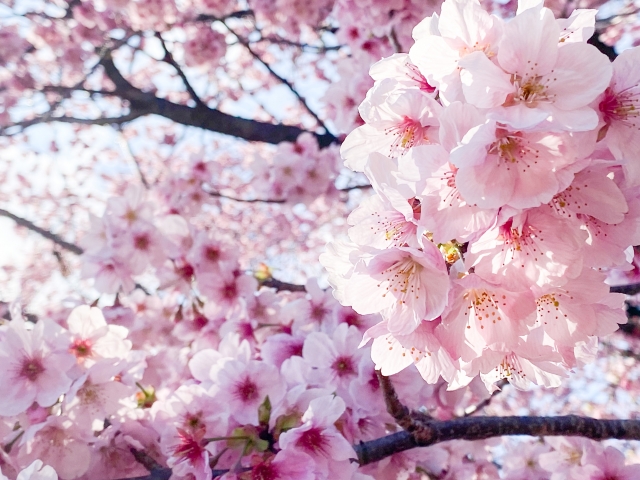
pixel 270 385
pixel 296 172
pixel 559 458
pixel 504 159
pixel 234 377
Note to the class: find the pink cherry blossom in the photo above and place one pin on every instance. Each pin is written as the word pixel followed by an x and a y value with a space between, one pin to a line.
pixel 319 438
pixel 92 339
pixel 398 283
pixel 535 77
pixel 32 370
pixel 463 27
pixel 619 106
pixel 244 386
pixel 396 120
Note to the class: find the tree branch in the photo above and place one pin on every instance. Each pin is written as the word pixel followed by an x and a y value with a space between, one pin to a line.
pixel 146 103
pixel 355 187
pixel 281 79
pixel 400 413
pixel 291 43
pixel 212 18
pixel 64 119
pixel 204 117
pixel 476 428
pixel 69 90
pixel 71 247
pixel 245 200
pixel 429 433
pixel 630 289
pixel 278 285
pixel 602 47
pixel 168 58
pixel 126 147
pixel 484 403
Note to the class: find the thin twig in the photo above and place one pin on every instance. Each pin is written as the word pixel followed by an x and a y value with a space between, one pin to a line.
pixel 291 43
pixel 393 37
pixel 168 58
pixel 355 187
pixel 73 248
pixel 631 289
pixel 212 18
pixel 126 147
pixel 246 200
pixel 400 413
pixel 279 286
pixel 69 90
pixel 484 403
pixel 145 460
pixel 64 119
pixel 281 79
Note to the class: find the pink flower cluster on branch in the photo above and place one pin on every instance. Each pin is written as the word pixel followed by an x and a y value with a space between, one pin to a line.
pixel 503 158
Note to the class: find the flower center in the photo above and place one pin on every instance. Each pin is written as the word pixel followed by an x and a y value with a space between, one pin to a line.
pixel 408 133
pixel 394 227
pixel 188 448
pixel 484 305
pixel 141 242
pixel 31 368
pixel 212 254
pixel 512 148
pixel 343 366
pixel 401 278
pixel 510 366
pixel 312 441
pixel 620 107
pixel 530 91
pixel 81 348
pixel 521 240
pixel 318 312
pixel 265 471
pixel 246 390
pixel 416 76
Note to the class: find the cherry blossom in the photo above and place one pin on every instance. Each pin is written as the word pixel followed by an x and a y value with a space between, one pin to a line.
pixel 471 164
pixel 33 370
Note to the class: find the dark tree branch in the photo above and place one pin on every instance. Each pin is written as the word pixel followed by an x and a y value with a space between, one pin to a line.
pixel 630 289
pixel 246 200
pixel 20 126
pixel 204 117
pixel 216 121
pixel 602 47
pixel 278 285
pixel 165 474
pixel 69 90
pixel 484 403
pixel 424 434
pixel 168 58
pixel 146 103
pixel 281 79
pixel 212 18
pixel 476 428
pixel 400 413
pixel 303 46
pixel 355 187
pixel 145 460
pixel 71 247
